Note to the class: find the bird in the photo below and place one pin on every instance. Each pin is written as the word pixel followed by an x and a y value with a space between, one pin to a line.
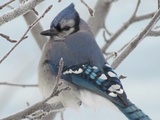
pixel 91 79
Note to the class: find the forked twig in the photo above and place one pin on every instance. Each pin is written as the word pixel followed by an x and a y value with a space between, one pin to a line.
pixel 91 11
pixel 24 35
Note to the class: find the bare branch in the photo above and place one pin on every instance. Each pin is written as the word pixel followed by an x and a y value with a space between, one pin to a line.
pixel 115 53
pixel 7 38
pixel 154 33
pixel 9 6
pixel 23 8
pixel 122 77
pixel 42 106
pixel 24 35
pixel 30 17
pixel 143 17
pixel 101 11
pixel 91 11
pixel 18 85
pixel 104 36
pixel 136 41
pixel 35 11
pixel 131 20
pixel 5 4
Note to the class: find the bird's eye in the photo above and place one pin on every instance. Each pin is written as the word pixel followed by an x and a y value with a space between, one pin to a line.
pixel 66 28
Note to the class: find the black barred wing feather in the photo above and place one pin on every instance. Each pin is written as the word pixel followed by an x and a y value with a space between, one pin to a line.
pixel 104 83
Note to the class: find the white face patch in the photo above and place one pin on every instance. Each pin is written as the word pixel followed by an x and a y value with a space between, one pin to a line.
pixel 65 22
pixel 111 74
pixel 65 33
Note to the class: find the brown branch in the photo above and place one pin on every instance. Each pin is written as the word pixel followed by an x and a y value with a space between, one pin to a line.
pixel 131 20
pixel 7 38
pixel 132 45
pixel 5 4
pixel 18 85
pixel 91 11
pixel 24 35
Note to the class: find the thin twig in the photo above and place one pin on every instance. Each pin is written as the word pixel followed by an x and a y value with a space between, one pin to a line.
pixel 122 76
pixel 18 85
pixel 104 36
pixel 115 53
pixel 107 31
pixel 35 11
pixel 5 4
pixel 7 38
pixel 154 33
pixel 9 6
pixel 61 63
pixel 24 35
pixel 131 20
pixel 121 29
pixel 91 11
pixel 132 45
pixel 62 117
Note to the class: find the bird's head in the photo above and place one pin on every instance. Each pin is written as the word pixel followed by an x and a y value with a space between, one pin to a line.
pixel 64 24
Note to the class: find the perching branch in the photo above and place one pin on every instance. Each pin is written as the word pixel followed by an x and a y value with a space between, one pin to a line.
pixel 134 18
pixel 42 107
pixel 18 85
pixel 23 8
pixel 5 4
pixel 136 40
pixel 24 35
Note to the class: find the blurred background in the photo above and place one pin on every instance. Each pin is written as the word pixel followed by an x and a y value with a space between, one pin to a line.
pixel 142 66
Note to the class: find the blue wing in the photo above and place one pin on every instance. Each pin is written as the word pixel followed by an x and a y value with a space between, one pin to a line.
pixel 105 83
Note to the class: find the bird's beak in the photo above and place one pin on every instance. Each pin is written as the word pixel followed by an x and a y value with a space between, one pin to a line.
pixel 49 32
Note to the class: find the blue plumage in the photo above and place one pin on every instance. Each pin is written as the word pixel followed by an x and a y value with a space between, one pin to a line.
pixel 85 68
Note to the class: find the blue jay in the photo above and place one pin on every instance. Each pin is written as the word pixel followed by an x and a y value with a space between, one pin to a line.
pixel 86 72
